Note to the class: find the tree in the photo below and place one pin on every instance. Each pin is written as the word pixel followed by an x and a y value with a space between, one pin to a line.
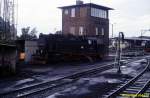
pixel 27 34
pixel 33 33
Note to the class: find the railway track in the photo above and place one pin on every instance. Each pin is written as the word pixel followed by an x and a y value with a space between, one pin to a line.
pixel 50 85
pixel 31 90
pixel 139 87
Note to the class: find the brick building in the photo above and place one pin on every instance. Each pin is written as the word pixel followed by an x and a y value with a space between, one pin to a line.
pixel 85 19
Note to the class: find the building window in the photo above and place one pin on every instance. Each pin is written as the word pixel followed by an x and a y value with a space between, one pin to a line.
pixel 66 12
pixel 102 32
pixel 98 13
pixel 105 14
pixel 96 30
pixel 73 12
pixel 72 30
pixel 81 30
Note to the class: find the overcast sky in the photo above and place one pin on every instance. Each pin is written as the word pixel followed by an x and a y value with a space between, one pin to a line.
pixel 129 16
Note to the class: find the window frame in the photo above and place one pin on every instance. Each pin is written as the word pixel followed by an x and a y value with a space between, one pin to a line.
pixel 96 31
pixel 102 31
pixel 73 12
pixel 72 30
pixel 81 30
pixel 66 11
pixel 100 13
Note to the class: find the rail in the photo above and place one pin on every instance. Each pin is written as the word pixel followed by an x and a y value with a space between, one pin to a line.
pixel 123 87
pixel 26 91
pixel 48 85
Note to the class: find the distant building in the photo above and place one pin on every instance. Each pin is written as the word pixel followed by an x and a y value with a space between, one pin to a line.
pixel 130 42
pixel 85 19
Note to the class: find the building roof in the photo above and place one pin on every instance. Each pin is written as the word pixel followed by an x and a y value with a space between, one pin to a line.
pixel 135 38
pixel 87 4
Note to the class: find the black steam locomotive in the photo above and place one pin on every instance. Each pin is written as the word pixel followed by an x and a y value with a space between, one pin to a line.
pixel 55 47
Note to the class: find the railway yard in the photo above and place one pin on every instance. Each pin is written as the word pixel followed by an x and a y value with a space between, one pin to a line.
pixel 81 60
pixel 81 80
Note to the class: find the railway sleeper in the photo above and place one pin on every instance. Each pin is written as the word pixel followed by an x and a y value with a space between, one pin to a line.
pixel 105 96
pixel 142 80
pixel 130 89
pixel 147 91
pixel 137 84
pixel 129 92
pixel 148 88
pixel 120 96
pixel 135 87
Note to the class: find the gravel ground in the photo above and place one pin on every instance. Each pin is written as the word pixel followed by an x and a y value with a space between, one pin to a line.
pixel 34 74
pixel 31 74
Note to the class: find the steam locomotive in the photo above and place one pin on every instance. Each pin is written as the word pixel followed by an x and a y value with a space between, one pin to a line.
pixel 54 47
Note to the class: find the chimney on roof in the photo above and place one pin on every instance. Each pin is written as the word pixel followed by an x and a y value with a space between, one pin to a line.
pixel 79 2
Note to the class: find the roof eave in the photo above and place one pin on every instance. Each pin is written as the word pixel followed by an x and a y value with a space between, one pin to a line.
pixel 87 4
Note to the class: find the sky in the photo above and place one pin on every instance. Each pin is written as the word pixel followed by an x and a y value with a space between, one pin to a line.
pixel 128 16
